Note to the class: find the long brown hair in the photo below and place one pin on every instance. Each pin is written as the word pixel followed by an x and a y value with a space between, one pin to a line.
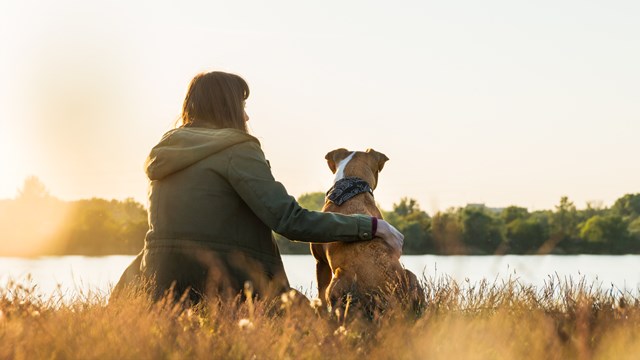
pixel 215 99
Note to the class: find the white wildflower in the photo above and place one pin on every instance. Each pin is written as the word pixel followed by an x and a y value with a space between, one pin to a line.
pixel 284 297
pixel 245 324
pixel 315 303
pixel 340 331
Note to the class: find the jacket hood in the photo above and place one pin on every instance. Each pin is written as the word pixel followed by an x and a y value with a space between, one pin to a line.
pixel 182 147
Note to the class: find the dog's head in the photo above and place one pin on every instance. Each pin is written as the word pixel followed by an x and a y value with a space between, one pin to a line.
pixel 363 164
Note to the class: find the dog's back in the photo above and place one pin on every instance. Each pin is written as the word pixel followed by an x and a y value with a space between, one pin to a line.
pixel 368 271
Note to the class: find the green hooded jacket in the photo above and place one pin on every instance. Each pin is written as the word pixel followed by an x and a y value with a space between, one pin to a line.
pixel 213 189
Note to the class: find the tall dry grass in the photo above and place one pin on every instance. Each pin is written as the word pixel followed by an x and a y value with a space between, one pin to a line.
pixel 563 320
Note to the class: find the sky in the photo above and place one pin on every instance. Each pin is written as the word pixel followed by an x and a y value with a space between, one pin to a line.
pixel 495 102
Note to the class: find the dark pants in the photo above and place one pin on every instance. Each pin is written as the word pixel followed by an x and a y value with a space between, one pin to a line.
pixel 197 273
pixel 176 274
pixel 202 273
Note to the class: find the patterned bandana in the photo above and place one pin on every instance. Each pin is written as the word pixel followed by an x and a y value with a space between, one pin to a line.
pixel 346 188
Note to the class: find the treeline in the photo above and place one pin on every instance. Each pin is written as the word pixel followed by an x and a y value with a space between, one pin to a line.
pixel 36 223
pixel 479 230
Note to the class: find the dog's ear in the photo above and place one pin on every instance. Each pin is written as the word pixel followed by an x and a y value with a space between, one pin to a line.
pixel 380 158
pixel 334 157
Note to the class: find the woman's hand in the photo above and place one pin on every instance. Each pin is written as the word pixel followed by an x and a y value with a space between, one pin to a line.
pixel 391 236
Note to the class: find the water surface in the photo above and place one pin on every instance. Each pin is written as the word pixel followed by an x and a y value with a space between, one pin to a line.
pixel 71 276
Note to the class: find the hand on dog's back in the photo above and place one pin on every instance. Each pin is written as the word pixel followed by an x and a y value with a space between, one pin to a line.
pixel 391 237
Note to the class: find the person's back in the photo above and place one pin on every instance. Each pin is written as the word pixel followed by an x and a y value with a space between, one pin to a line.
pixel 194 211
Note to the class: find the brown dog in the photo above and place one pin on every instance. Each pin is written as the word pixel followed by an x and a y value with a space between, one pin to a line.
pixel 367 274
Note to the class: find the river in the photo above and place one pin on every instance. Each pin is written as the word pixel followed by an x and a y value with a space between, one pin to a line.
pixel 79 276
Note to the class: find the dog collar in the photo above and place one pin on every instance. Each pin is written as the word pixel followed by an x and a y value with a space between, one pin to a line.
pixel 346 188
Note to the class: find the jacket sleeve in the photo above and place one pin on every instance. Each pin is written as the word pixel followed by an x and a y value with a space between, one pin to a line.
pixel 250 175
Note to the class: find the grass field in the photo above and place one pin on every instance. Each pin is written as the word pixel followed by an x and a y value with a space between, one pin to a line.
pixel 562 320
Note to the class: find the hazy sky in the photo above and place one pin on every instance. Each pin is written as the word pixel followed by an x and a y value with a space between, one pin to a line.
pixel 495 102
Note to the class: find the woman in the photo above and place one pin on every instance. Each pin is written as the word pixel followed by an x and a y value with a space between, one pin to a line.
pixel 213 203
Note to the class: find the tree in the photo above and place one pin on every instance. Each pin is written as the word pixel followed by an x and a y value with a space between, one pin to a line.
pixel 481 231
pixel 526 236
pixel 414 224
pixel 634 234
pixel 525 233
pixel 608 233
pixel 512 213
pixel 312 201
pixel 593 208
pixel 28 222
pixel 628 205
pixel 406 207
pixel 32 189
pixel 102 227
pixel 447 233
pixel 634 228
pixel 564 220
